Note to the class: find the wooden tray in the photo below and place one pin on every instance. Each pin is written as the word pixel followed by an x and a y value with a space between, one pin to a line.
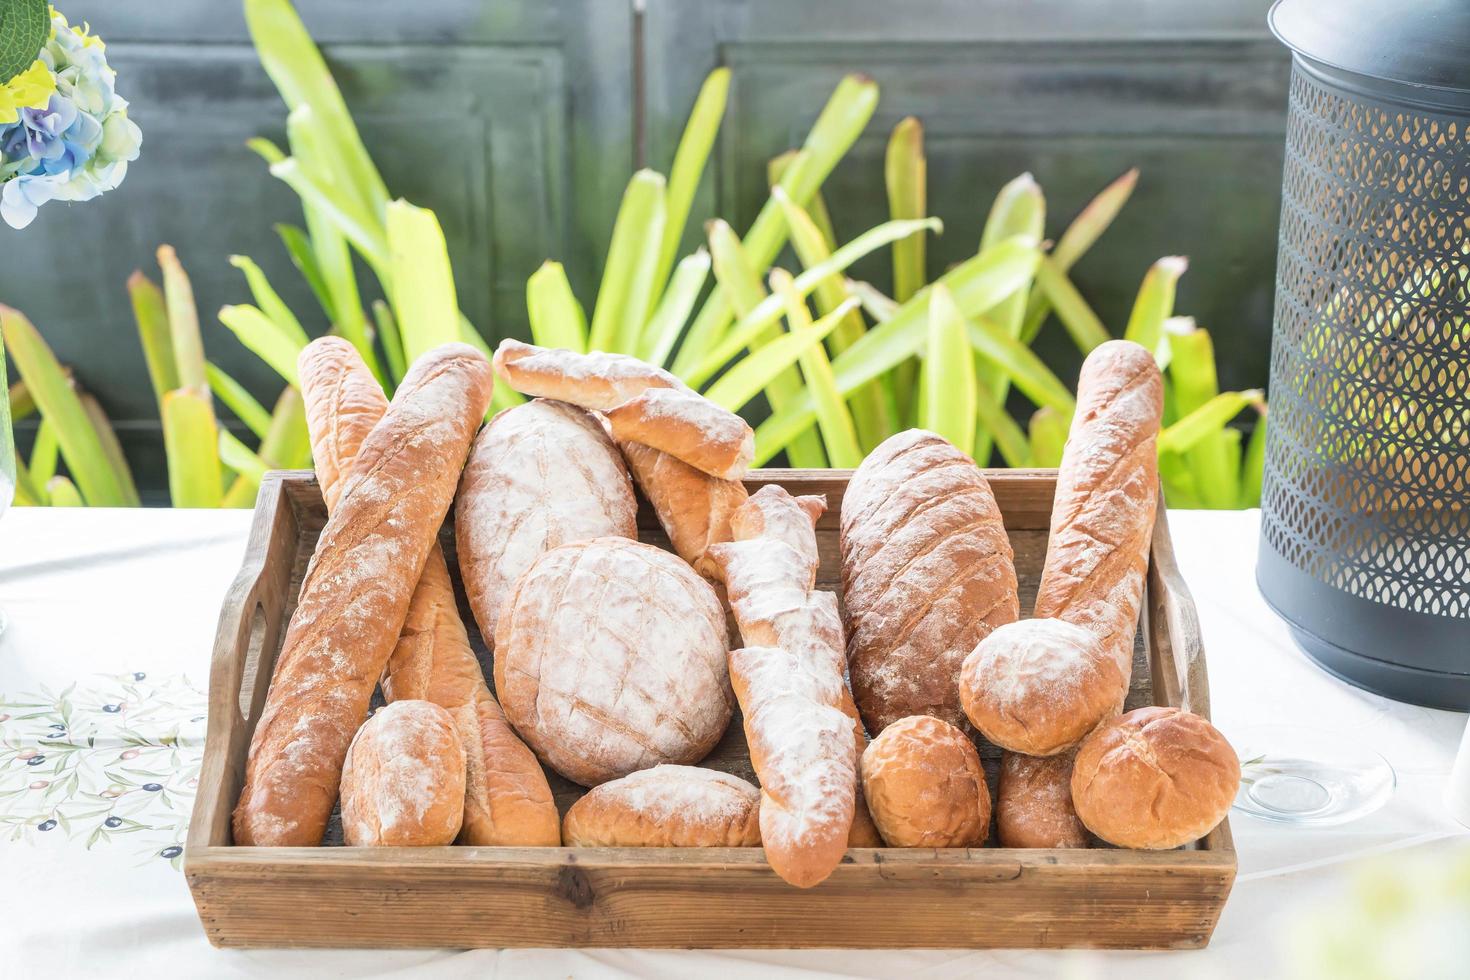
pixel 338 896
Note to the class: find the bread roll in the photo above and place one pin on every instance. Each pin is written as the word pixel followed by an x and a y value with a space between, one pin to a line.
pixel 610 658
pixel 693 507
pixel 927 574
pixel 1033 802
pixel 540 475
pixel 597 380
pixel 688 427
pixel 1154 778
pixel 667 806
pixel 355 597
pixel 925 786
pixel 1107 490
pixel 507 800
pixel 1039 685
pixel 403 782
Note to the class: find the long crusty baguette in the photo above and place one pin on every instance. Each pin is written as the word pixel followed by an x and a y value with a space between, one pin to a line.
pixel 927 573
pixel 1107 491
pixel 507 799
pixel 693 507
pixel 644 404
pixel 789 681
pixel 356 595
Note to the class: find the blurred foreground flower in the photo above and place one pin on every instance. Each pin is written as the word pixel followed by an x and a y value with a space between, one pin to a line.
pixel 65 134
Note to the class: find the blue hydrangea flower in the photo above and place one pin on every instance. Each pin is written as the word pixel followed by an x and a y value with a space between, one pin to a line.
pixel 79 144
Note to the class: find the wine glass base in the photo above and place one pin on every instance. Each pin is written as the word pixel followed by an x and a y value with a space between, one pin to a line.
pixel 1303 776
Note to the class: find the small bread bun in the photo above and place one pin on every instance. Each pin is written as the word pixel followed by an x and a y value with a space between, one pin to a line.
pixel 1033 802
pixel 667 806
pixel 403 781
pixel 924 785
pixel 1154 778
pixel 1039 685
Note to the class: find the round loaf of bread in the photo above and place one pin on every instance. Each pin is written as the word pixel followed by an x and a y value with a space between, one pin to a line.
pixel 924 785
pixel 667 806
pixel 1033 802
pixel 403 781
pixel 610 657
pixel 1039 685
pixel 1154 778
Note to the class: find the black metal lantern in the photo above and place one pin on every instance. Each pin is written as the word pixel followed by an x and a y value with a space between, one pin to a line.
pixel 1365 525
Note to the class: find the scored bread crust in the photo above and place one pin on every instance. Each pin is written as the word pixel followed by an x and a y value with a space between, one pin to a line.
pixel 355 596
pixel 597 380
pixel 403 781
pixel 927 573
pixel 667 806
pixel 1107 490
pixel 507 801
pixel 1033 802
pixel 693 507
pixel 1154 778
pixel 540 475
pixel 689 427
pixel 610 657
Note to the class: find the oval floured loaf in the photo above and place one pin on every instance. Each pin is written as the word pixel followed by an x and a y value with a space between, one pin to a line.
pixel 667 806
pixel 610 658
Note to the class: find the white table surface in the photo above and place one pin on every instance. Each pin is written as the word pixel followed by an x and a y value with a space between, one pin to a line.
pixel 96 597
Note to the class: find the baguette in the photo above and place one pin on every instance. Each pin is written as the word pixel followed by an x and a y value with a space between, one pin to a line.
pixel 693 507
pixel 927 574
pixel 507 801
pixel 597 381
pixel 667 806
pixel 355 597
pixel 688 427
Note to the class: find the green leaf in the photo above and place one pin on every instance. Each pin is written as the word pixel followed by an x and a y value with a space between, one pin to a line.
pixel 1081 235
pixel 359 227
pixel 1253 468
pixel 816 207
pixel 977 284
pixel 151 314
pixel 191 440
pixel 556 317
pixel 875 302
pixel 905 174
pixel 667 323
pixel 1007 436
pixel 753 373
pixel 262 336
pixel 626 295
pixel 1210 417
pixel 1020 364
pixel 1155 303
pixel 267 299
pixel 111 448
pixel 44 453
pixel 286 444
pixel 391 339
pixel 839 435
pixel 1081 323
pixel 238 400
pixel 101 484
pixel 949 373
pixel 294 63
pixel 24 27
pixel 303 257
pixel 241 458
pixel 63 493
pixel 734 271
pixel 424 302
pixel 183 322
pixel 689 163
pixel 1048 436
pixel 27 492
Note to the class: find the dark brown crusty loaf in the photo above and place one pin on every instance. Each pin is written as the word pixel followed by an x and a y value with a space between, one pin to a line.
pixel 927 573
pixel 356 595
pixel 507 801
pixel 1107 490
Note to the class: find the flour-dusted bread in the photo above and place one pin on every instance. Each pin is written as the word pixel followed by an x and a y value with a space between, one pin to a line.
pixel 927 574
pixel 925 786
pixel 507 801
pixel 693 507
pixel 1033 802
pixel 540 475
pixel 667 806
pixel 403 782
pixel 1107 490
pixel 1039 685
pixel 597 380
pixel 688 427
pixel 610 658
pixel 355 596
pixel 1154 778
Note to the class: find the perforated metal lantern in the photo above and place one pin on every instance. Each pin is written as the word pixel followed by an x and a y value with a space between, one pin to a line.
pixel 1365 529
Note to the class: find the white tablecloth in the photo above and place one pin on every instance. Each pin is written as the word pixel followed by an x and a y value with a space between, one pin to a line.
pixel 103 668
